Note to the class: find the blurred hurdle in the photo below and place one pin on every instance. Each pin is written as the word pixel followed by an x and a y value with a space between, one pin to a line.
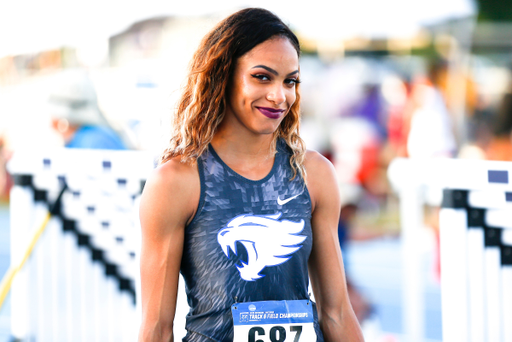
pixel 80 282
pixel 476 244
pixel 476 251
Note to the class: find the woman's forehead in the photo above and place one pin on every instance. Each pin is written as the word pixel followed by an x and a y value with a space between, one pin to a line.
pixel 277 51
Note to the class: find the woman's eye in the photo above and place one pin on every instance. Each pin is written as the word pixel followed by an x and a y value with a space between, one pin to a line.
pixel 261 77
pixel 292 81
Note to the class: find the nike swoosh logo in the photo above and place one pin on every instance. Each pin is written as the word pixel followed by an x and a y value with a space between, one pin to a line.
pixel 283 202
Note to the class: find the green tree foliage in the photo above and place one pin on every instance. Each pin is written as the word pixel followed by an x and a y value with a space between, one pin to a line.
pixel 494 10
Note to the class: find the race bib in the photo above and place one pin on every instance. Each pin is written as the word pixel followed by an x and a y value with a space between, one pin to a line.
pixel 274 321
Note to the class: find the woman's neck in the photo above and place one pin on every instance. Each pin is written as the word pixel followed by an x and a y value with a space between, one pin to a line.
pixel 241 143
pixel 250 156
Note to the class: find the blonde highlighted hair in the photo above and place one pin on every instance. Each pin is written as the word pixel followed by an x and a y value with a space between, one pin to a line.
pixel 203 101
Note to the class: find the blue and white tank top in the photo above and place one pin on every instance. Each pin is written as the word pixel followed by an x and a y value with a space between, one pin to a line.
pixel 249 241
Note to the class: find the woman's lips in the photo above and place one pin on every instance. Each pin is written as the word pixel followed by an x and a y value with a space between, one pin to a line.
pixel 271 112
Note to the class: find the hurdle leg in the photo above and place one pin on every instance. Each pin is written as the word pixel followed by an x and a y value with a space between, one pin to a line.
pixel 411 218
pixel 43 285
pixel 71 291
pixel 475 247
pixel 454 291
pixel 506 317
pixel 58 280
pixel 86 296
pixel 127 327
pixel 100 299
pixel 492 291
pixel 113 307
pixel 22 225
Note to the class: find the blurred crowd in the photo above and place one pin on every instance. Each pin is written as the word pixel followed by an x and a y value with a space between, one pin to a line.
pixel 363 112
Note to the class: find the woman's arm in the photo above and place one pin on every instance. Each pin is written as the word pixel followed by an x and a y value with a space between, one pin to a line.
pixel 336 317
pixel 168 203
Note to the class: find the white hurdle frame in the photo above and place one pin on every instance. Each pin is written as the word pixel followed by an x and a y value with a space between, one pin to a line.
pixel 474 307
pixel 63 292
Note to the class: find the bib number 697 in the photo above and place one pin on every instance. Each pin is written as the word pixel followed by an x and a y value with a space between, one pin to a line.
pixel 276 333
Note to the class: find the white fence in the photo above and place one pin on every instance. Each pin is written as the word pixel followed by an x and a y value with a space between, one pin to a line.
pixel 476 245
pixel 80 282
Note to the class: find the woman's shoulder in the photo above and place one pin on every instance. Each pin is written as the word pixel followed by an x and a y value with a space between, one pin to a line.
pixel 320 176
pixel 176 167
pixel 174 173
pixel 173 184
pixel 315 162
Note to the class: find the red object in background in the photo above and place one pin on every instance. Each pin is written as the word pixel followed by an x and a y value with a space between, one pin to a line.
pixel 328 155
pixel 6 190
pixel 396 135
pixel 6 182
pixel 499 148
pixel 437 258
pixel 369 163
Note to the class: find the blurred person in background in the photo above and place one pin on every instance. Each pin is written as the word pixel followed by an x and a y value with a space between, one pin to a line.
pixel 357 145
pixel 371 107
pixel 500 145
pixel 431 131
pixel 396 91
pixel 75 115
pixel 351 195
pixel 236 166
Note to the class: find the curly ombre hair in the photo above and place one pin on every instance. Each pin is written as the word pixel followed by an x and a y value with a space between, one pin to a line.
pixel 204 99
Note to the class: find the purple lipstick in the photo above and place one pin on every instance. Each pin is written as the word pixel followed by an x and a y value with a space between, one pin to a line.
pixel 271 113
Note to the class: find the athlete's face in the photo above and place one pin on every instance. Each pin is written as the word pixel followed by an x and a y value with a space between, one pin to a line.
pixel 262 88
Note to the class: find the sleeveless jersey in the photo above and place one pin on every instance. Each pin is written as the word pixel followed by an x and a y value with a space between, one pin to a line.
pixel 249 241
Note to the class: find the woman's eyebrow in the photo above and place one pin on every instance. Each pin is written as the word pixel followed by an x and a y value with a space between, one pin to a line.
pixel 272 71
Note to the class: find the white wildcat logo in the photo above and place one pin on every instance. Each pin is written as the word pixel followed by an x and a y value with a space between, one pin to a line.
pixel 268 241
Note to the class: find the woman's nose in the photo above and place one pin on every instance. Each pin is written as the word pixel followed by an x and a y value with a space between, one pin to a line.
pixel 276 95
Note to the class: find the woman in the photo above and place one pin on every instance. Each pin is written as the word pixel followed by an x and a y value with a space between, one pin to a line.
pixel 237 204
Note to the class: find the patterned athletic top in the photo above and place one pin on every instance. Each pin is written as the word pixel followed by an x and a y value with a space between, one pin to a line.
pixel 249 241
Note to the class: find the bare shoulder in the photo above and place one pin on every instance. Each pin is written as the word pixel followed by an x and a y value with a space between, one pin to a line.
pixel 320 176
pixel 315 162
pixel 318 168
pixel 171 192
pixel 174 173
